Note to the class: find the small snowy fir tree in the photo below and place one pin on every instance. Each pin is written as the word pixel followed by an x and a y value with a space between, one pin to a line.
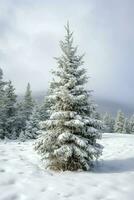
pixel 32 126
pixel 68 140
pixel 119 122
pixel 125 126
pixel 10 107
pixel 44 110
pixel 108 121
pixel 131 125
pixel 2 106
pixel 128 126
pixel 22 136
pixel 97 115
pixel 28 104
pixel 20 119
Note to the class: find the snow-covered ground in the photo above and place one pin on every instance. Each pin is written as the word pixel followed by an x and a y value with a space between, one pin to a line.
pixel 21 178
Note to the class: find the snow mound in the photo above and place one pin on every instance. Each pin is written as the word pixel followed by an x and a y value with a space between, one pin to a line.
pixel 21 177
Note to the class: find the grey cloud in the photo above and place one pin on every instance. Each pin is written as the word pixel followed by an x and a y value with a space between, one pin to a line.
pixel 30 34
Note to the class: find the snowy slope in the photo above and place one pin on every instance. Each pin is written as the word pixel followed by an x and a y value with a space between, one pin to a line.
pixel 113 179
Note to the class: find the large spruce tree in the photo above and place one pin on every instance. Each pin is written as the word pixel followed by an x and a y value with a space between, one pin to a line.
pixel 68 140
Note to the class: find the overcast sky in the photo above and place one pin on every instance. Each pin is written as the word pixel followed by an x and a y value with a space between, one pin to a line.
pixel 104 29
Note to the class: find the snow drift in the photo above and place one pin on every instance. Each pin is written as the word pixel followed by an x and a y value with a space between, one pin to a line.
pixel 21 178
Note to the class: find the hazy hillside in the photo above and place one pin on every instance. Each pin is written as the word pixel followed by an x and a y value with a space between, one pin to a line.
pixel 104 105
pixel 112 107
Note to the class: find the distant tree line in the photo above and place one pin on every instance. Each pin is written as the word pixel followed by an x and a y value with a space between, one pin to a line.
pixel 119 124
pixel 19 119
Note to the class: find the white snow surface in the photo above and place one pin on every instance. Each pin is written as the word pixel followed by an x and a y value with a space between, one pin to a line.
pixel 22 177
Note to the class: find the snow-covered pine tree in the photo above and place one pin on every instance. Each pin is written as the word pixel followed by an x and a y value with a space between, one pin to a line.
pixel 119 122
pixel 10 107
pixel 131 125
pixel 24 111
pixel 28 103
pixel 44 110
pixel 69 139
pixel 125 126
pixel 22 136
pixel 20 119
pixel 128 127
pixel 97 115
pixel 40 113
pixel 32 126
pixel 108 121
pixel 2 105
